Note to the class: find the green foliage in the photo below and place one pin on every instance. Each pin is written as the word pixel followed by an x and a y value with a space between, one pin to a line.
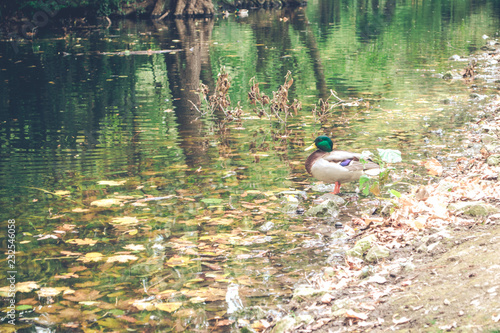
pixel 374 185
pixel 29 7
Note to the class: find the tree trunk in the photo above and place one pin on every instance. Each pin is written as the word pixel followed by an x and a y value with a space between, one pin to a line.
pixel 158 9
pixel 194 8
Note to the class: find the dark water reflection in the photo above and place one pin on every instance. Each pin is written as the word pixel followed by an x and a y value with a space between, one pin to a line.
pixel 85 107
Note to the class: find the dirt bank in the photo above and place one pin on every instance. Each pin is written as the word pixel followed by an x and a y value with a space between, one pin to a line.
pixel 437 264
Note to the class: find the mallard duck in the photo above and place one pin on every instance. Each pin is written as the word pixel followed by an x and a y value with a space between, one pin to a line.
pixel 337 166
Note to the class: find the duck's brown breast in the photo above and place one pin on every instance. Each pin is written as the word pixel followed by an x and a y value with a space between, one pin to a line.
pixel 312 159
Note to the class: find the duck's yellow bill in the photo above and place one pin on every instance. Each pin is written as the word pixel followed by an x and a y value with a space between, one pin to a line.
pixel 313 146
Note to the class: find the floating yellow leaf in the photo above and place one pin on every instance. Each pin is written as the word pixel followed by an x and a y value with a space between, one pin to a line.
pixel 80 210
pixel 86 241
pixel 27 286
pixel 49 292
pixel 112 182
pixel 133 247
pixel 89 303
pixel 169 307
pixel 111 323
pixel 66 276
pixel 143 305
pixel 131 232
pixel 125 220
pixel 178 261
pixel 106 202
pixel 91 256
pixel 122 258
pixel 196 300
pixel 62 192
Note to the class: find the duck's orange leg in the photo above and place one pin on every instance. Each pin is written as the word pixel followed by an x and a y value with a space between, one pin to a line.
pixel 336 190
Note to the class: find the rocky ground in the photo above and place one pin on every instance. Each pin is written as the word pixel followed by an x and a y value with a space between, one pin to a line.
pixel 433 263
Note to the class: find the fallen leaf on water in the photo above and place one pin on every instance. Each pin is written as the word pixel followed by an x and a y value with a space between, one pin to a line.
pixel 178 261
pixel 125 220
pixel 49 292
pixel 80 210
pixel 433 167
pixel 111 323
pixel 356 315
pixel 26 287
pixel 224 322
pixel 122 258
pixel 71 254
pixel 84 295
pixel 112 182
pixel 89 303
pixel 196 300
pixel 86 241
pixel 91 256
pixel 133 247
pixel 127 319
pixel 143 305
pixel 66 276
pixel 169 307
pixel 61 192
pixel 106 202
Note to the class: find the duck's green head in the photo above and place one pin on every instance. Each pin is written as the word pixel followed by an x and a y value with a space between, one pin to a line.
pixel 323 143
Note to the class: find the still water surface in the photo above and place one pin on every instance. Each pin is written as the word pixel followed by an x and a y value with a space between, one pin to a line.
pixel 84 116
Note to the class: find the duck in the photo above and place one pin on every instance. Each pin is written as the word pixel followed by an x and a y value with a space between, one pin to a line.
pixel 337 166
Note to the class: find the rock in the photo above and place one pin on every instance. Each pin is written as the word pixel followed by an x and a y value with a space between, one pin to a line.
pixel 473 208
pixel 361 246
pixel 447 76
pixel 323 187
pixel 327 298
pixel 329 196
pixel 284 325
pixel 288 323
pixel 366 271
pixel 446 186
pixel 488 139
pixel 267 226
pixel 493 159
pixel 377 252
pixel 297 194
pixel 342 304
pixel 329 271
pixel 407 266
pixel 432 246
pixel 328 208
pixel 339 235
pixel 289 207
pixel 306 292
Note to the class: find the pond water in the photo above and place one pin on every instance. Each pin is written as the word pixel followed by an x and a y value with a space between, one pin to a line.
pixel 193 227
